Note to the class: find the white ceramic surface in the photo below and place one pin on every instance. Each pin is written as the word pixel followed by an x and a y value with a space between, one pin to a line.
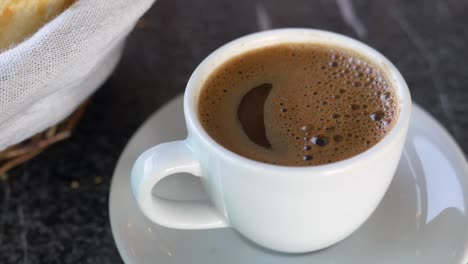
pixel 309 208
pixel 421 220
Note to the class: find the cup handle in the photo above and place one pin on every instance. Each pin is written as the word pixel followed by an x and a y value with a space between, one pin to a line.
pixel 154 165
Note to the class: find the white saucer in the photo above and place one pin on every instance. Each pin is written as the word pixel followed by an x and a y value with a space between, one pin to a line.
pixel 422 218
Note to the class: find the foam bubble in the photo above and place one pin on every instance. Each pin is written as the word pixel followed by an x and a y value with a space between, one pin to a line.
pixel 377 115
pixel 320 140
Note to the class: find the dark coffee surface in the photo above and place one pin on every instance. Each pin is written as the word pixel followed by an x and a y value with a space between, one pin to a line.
pixel 298 104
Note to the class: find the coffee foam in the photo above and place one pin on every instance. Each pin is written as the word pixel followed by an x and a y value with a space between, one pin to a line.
pixel 325 104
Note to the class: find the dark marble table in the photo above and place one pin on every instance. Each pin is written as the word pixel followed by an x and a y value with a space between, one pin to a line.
pixel 54 209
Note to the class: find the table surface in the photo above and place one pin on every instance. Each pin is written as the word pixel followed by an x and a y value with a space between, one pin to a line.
pixel 54 209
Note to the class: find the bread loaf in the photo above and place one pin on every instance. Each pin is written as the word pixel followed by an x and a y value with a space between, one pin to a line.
pixel 21 18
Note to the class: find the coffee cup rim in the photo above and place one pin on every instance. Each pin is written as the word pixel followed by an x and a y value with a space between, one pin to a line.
pixel 294 35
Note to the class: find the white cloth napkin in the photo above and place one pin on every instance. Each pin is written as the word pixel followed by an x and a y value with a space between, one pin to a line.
pixel 43 79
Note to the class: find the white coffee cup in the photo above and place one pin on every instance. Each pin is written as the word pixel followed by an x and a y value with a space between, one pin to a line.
pixel 289 209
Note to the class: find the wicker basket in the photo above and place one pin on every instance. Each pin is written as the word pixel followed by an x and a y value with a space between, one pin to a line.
pixel 28 149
